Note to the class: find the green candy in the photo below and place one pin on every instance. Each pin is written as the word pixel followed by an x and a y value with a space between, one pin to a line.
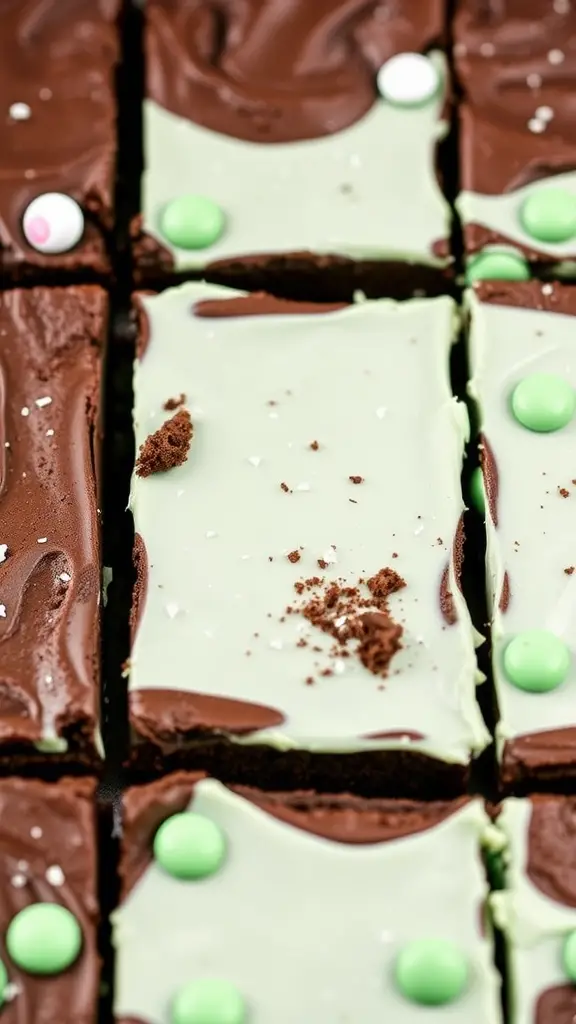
pixel 549 215
pixel 537 661
pixel 431 972
pixel 497 266
pixel 189 846
pixel 569 956
pixel 192 222
pixel 208 1001
pixel 543 402
pixel 44 938
pixel 3 983
pixel 477 491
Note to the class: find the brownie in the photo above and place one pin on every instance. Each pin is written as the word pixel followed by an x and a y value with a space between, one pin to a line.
pixel 217 882
pixel 523 378
pixel 52 347
pixel 297 612
pixel 537 909
pixel 516 63
pixel 49 964
pixel 294 145
pixel 57 136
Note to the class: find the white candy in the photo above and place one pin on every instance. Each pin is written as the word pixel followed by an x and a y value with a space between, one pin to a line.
pixel 53 223
pixel 19 111
pixel 408 79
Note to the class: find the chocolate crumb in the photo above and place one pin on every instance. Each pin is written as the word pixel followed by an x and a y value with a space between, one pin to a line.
pixel 309 681
pixel 384 583
pixel 294 556
pixel 352 500
pixel 284 487
pixel 394 554
pixel 356 479
pixel 570 570
pixel 173 403
pixel 322 564
pixel 314 446
pixel 379 642
pixel 270 558
pixel 439 541
pixel 565 493
pixel 167 447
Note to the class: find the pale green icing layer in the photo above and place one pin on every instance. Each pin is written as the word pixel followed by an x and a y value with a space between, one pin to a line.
pixel 534 924
pixel 534 539
pixel 502 214
pixel 368 192
pixel 306 928
pixel 371 384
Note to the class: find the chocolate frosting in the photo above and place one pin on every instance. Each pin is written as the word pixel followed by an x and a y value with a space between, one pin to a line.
pixel 547 753
pixel 341 818
pixel 555 1006
pixel 447 603
pixel 551 866
pixel 262 304
pixel 63 814
pixel 50 367
pixel 278 70
pixel 501 47
pixel 58 56
pixel 490 477
pixel 550 298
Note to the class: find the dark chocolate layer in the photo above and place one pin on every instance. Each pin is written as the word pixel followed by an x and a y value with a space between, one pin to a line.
pixel 58 57
pixel 45 826
pixel 50 573
pixel 278 70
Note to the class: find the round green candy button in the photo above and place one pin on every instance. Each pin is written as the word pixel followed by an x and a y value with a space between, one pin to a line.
pixel 192 222
pixel 569 956
pixel 537 661
pixel 189 846
pixel 3 983
pixel 208 1001
pixel 477 491
pixel 431 971
pixel 543 402
pixel 549 215
pixel 44 938
pixel 497 266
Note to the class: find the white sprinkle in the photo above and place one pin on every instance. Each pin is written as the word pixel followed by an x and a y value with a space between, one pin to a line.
pixel 19 111
pixel 2 611
pixel 340 621
pixel 36 832
pixel 303 486
pixel 30 174
pixel 339 667
pixel 418 529
pixel 179 493
pixel 55 875
pixel 50 433
pixel 273 415
pixel 3 552
pixel 22 865
pixel 245 558
pixel 561 6
pixel 487 49
pixel 534 80
pixel 65 577
pixel 210 534
pixel 254 460
pixel 460 49
pixel 49 679
pixel 42 540
pixel 172 609
pixel 547 289
pixel 276 645
pixel 18 881
pixel 536 126
pixel 25 411
pixel 45 94
pixel 301 627
pixel 555 56
pixel 381 412
pixel 6 444
pixel 544 113
pixel 41 402
pixel 209 633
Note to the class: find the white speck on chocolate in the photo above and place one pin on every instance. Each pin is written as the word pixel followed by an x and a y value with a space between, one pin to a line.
pixel 24 411
pixel 36 832
pixel 65 577
pixel 487 49
pixel 561 6
pixel 534 80
pixel 2 611
pixel 42 540
pixel 544 113
pixel 45 93
pixel 536 126
pixel 55 876
pixel 547 289
pixel 41 402
pixel 18 881
pixel 3 552
pixel 19 111
pixel 556 57
pixel 50 433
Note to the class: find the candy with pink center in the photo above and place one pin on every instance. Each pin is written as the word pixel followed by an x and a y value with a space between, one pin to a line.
pixel 53 223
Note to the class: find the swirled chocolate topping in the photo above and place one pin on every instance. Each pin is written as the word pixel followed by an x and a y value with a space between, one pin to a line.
pixel 515 58
pixel 278 70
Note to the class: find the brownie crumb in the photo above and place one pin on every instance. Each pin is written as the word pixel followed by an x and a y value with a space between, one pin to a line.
pixel 167 447
pixel 174 403
pixel 284 487
pixel 294 556
pixel 314 446
pixel 394 554
pixel 322 564
pixel 384 583
pixel 381 638
pixel 356 479
pixel 564 492
pixel 570 570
